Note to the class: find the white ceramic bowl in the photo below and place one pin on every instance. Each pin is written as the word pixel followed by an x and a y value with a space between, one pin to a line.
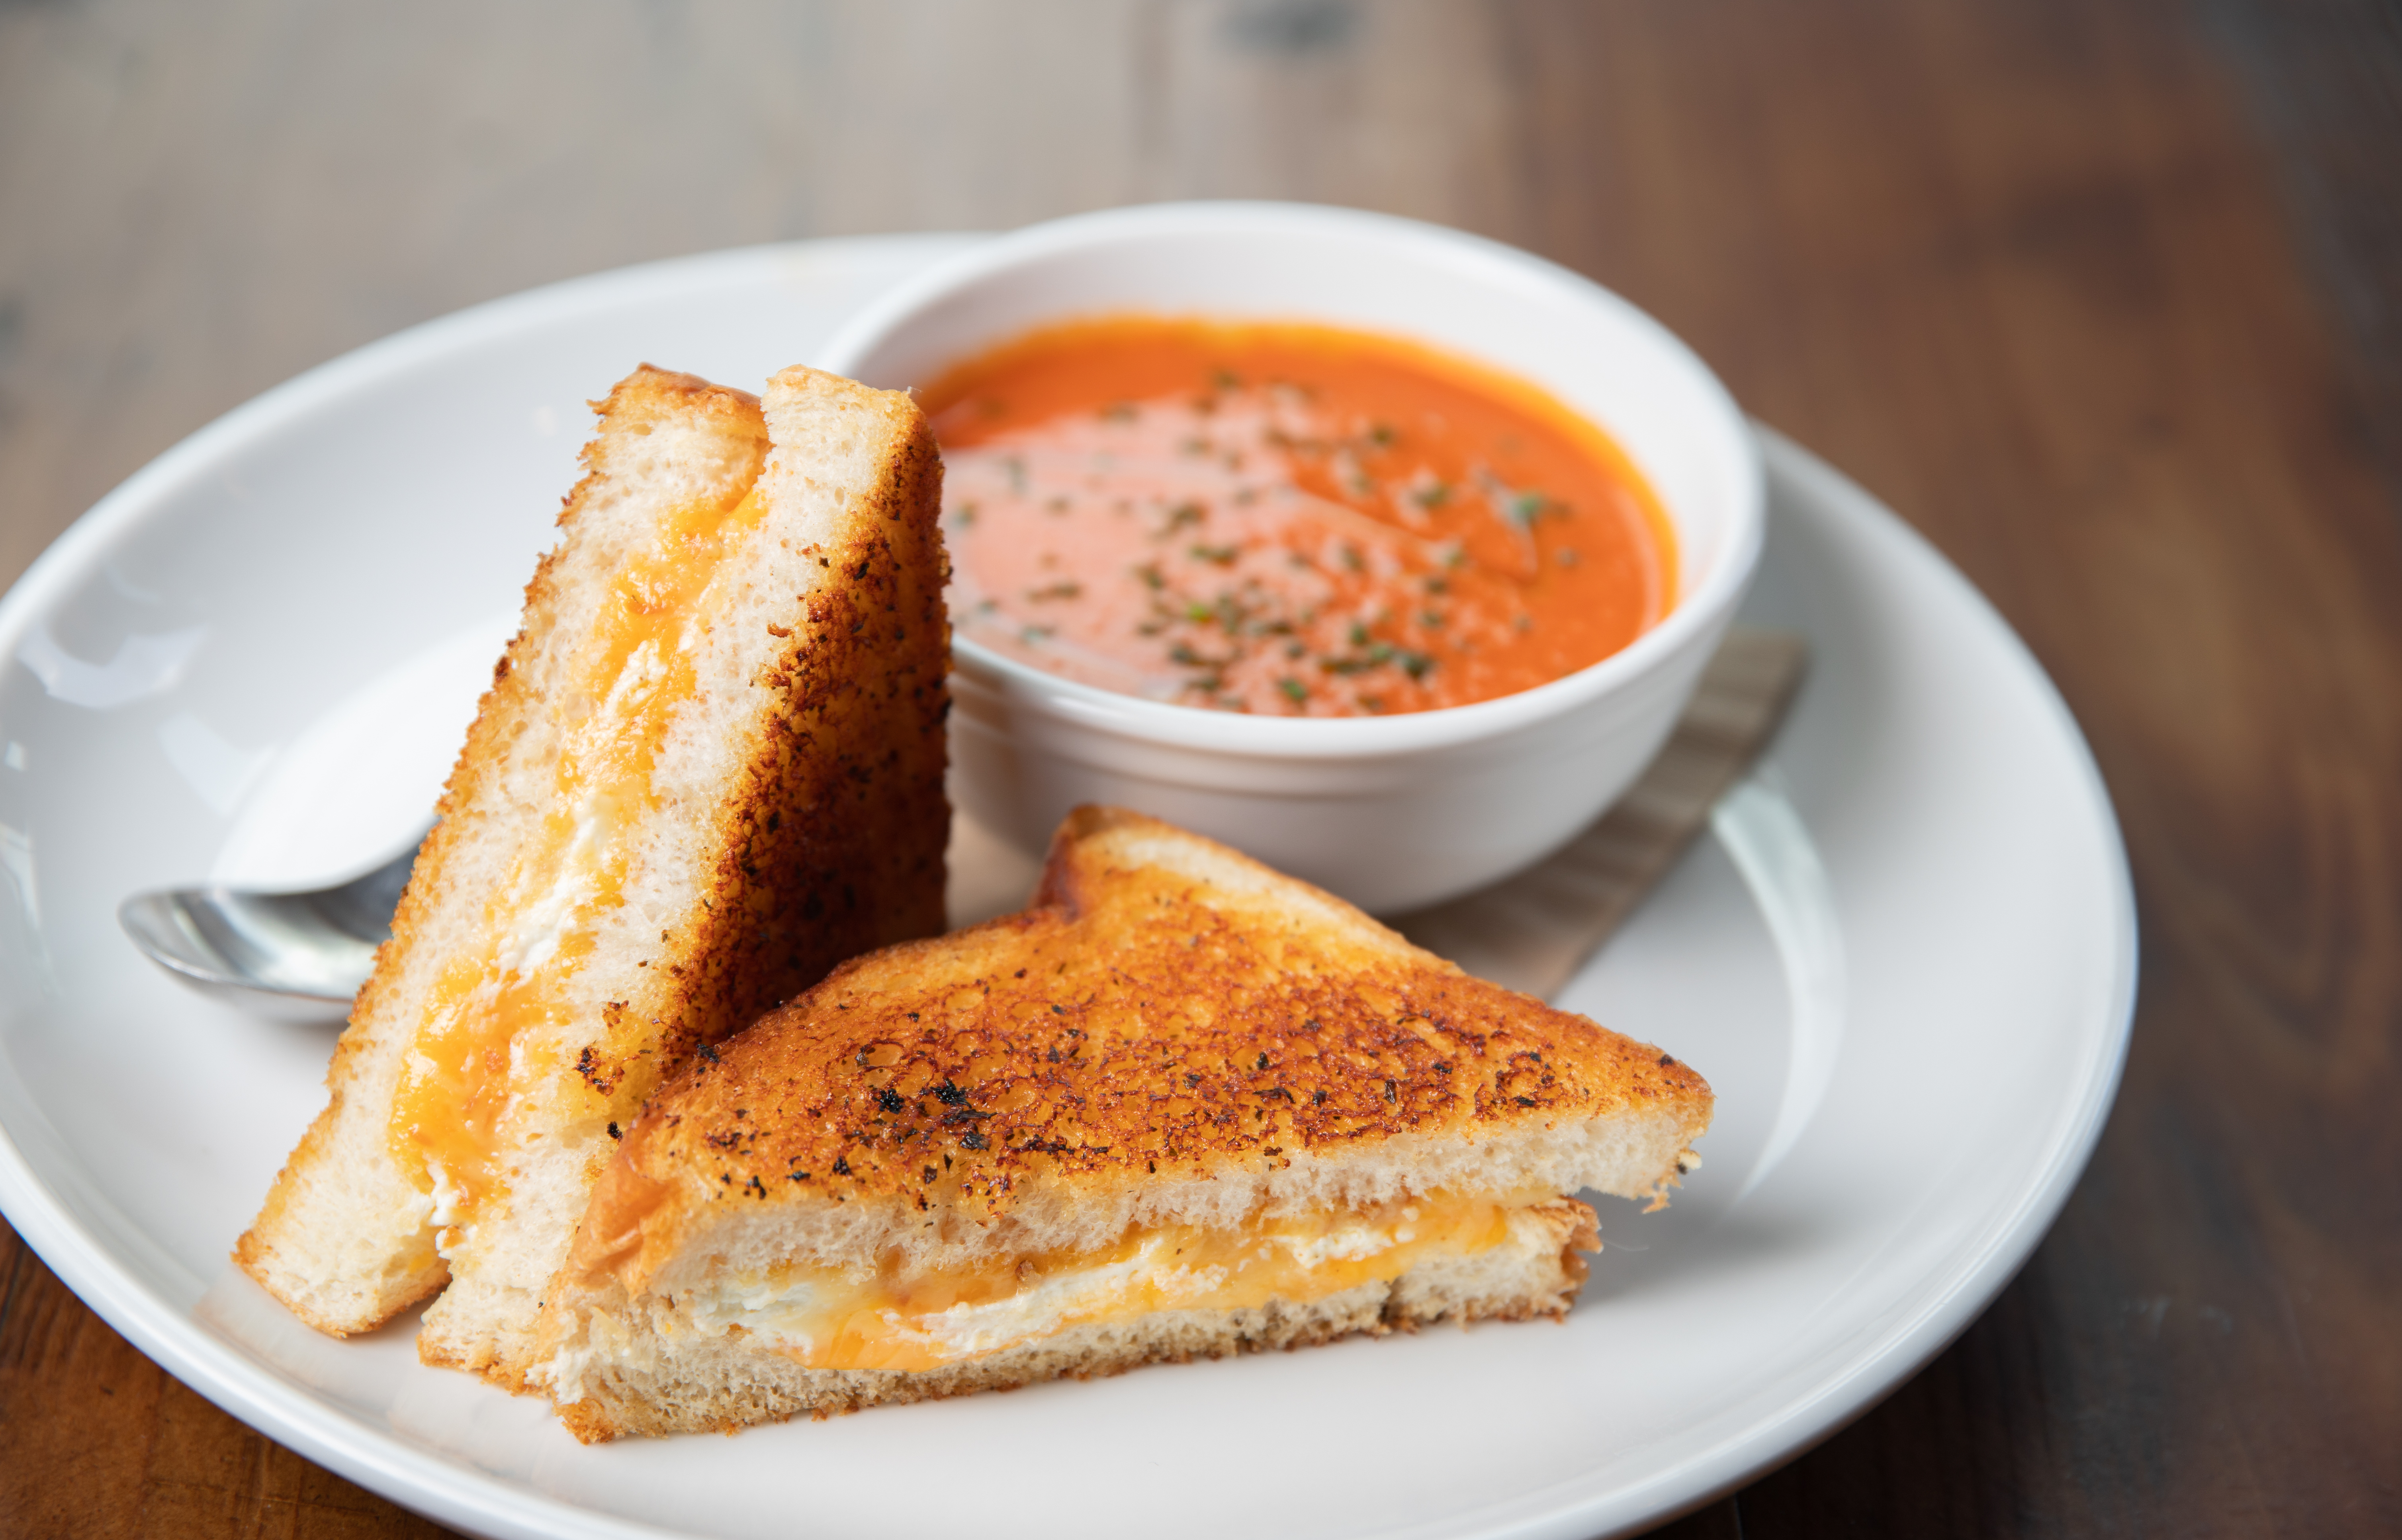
pixel 1391 812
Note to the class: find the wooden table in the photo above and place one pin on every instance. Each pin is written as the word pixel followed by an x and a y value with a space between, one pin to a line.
pixel 2106 299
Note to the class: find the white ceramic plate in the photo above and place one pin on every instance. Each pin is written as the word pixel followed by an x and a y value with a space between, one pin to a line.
pixel 1907 965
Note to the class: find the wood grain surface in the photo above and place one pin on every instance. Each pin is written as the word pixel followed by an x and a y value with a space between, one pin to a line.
pixel 2103 298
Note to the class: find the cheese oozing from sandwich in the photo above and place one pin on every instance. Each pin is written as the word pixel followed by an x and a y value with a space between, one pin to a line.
pixel 475 1049
pixel 925 1318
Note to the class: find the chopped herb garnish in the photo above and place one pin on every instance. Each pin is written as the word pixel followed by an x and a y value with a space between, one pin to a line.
pixel 1250 476
pixel 1376 655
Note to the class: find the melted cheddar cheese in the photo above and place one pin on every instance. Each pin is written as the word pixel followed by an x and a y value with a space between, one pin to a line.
pixel 824 1319
pixel 473 1051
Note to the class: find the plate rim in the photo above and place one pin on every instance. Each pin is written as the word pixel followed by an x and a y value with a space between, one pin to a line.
pixel 2010 1238
pixel 453 1492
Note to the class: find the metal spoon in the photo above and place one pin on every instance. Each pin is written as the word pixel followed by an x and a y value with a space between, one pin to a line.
pixel 293 956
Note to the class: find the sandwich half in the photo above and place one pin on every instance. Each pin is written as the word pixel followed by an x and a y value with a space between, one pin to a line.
pixel 710 767
pixel 1182 1106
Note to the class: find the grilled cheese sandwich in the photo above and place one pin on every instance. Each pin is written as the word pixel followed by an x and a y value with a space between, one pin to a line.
pixel 1182 1105
pixel 710 767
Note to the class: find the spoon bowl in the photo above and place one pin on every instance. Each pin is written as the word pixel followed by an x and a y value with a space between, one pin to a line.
pixel 292 956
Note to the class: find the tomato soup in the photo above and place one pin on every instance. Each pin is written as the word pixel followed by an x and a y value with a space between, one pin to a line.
pixel 1286 519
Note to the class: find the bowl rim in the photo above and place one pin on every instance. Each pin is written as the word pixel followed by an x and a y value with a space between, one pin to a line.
pixel 1697 614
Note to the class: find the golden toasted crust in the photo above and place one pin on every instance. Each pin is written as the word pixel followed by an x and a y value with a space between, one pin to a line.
pixel 829 841
pixel 652 394
pixel 473 795
pixel 1135 1023
pixel 832 840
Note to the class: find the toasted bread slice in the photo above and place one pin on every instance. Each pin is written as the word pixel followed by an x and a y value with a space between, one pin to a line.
pixel 710 767
pixel 1182 1105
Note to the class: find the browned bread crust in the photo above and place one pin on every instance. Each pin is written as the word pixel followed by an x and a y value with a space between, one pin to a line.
pixel 1173 1035
pixel 830 841
pixel 352 1283
pixel 1125 1027
pixel 823 838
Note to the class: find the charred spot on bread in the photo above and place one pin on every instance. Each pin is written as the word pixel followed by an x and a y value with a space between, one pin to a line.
pixel 1441 1052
